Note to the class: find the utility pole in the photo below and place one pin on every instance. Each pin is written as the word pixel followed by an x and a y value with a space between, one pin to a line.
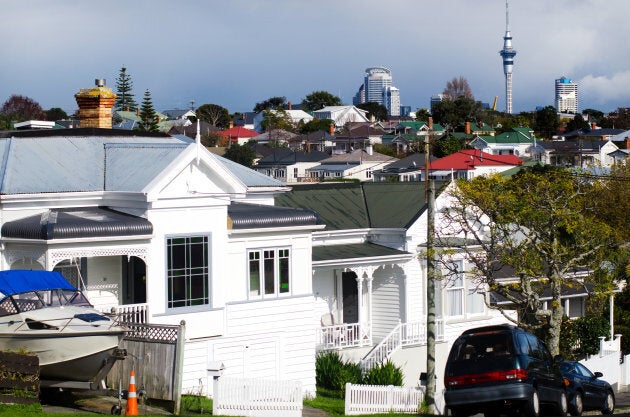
pixel 430 200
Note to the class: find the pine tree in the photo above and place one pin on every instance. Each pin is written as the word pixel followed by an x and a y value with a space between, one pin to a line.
pixel 148 116
pixel 124 99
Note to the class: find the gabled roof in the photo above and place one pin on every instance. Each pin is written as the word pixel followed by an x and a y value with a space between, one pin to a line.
pixel 177 113
pixel 574 146
pixel 514 137
pixel 415 161
pixel 239 132
pixel 420 124
pixel 275 134
pixel 361 205
pixel 365 130
pixel 472 158
pixel 357 157
pixel 285 156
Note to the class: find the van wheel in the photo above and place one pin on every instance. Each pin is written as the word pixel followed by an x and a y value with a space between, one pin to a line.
pixel 609 405
pixel 578 408
pixel 532 406
pixel 563 405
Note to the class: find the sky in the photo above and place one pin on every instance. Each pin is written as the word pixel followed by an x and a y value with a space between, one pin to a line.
pixel 236 53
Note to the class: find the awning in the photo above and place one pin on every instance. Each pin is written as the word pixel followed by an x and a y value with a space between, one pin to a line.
pixel 361 253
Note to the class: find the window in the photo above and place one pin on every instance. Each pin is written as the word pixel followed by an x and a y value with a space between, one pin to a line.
pixel 460 294
pixel 455 296
pixel 269 273
pixel 295 172
pixel 187 271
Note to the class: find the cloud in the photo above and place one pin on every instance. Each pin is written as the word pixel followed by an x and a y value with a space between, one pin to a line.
pixel 604 89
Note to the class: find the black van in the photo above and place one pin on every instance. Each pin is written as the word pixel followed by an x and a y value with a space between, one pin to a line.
pixel 502 370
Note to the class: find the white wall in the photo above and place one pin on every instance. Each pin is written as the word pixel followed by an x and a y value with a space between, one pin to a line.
pixel 388 301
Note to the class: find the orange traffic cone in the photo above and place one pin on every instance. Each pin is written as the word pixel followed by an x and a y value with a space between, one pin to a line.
pixel 132 400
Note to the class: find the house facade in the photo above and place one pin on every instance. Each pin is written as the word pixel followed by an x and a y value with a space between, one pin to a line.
pixel 358 164
pixel 158 223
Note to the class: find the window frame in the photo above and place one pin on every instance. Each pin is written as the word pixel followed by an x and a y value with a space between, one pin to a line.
pixel 282 272
pixel 189 302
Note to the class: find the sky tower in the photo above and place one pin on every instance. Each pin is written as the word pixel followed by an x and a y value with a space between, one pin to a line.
pixel 507 53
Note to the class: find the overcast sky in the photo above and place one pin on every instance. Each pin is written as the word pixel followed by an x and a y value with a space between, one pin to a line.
pixel 236 53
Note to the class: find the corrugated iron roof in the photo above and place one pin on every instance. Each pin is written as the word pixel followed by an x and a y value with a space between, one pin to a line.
pixel 254 216
pixel 75 223
pixel 361 205
pixel 354 251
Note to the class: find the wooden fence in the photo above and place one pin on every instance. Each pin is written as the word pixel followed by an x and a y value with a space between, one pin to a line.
pixel 155 353
pixel 19 378
pixel 256 397
pixel 379 399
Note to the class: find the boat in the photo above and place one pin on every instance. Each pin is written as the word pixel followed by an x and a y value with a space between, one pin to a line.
pixel 42 314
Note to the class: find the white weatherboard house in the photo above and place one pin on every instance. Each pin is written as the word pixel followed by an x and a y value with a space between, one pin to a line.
pixel 159 223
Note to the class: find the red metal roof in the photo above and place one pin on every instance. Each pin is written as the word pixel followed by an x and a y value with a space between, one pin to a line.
pixel 471 158
pixel 238 132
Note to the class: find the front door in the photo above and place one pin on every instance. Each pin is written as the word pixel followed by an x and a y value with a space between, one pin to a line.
pixel 350 297
pixel 134 281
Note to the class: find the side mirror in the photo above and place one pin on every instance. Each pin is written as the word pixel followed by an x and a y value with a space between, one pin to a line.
pixel 598 374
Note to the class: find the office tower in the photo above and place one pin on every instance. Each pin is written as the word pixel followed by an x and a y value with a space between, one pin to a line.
pixel 507 53
pixel 391 100
pixel 435 99
pixel 566 96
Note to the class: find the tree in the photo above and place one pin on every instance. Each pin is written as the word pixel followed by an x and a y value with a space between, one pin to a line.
pixel 124 96
pixel 546 122
pixel 423 115
pixel 542 225
pixel 56 113
pixel 276 119
pixel 593 115
pixel 576 123
pixel 378 111
pixel 271 103
pixel 19 108
pixel 456 112
pixel 316 125
pixel 614 188
pixel 319 99
pixel 241 154
pixel 619 119
pixel 447 145
pixel 458 87
pixel 148 116
pixel 214 114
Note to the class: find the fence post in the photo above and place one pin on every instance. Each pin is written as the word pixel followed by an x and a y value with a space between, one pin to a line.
pixel 347 401
pixel 179 366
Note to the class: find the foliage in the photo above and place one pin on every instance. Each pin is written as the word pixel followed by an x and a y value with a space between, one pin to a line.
pixel 124 96
pixel 19 108
pixel 546 122
pixel 241 154
pixel 374 110
pixel 614 187
pixel 576 123
pixel 271 103
pixel 384 374
pixel 422 115
pixel 447 145
pixel 148 116
pixel 214 114
pixel 540 223
pixel 276 119
pixel 458 87
pixel 318 100
pixel 619 119
pixel 580 336
pixel 455 112
pixel 197 404
pixel 332 372
pixel 385 150
pixel 56 113
pixel 593 115
pixel 315 125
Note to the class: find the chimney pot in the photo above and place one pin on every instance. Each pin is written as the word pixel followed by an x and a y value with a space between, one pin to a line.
pixel 99 82
pixel 231 124
pixel 467 128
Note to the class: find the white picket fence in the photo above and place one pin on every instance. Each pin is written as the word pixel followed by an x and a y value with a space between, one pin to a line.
pixel 257 397
pixel 376 399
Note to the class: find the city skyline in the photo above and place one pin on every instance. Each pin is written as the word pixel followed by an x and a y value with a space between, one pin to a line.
pixel 241 52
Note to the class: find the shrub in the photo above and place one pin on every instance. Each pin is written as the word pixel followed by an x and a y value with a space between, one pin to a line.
pixel 580 337
pixel 384 374
pixel 332 373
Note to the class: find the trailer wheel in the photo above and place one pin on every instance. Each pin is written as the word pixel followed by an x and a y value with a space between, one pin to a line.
pixel 116 410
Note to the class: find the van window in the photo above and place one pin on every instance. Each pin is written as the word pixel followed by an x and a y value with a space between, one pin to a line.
pixel 523 344
pixel 487 345
pixel 534 347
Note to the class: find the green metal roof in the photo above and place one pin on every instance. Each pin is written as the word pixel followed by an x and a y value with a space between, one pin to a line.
pixel 361 205
pixel 355 251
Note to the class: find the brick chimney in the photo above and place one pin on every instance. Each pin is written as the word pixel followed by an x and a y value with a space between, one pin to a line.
pixel 95 105
pixel 593 125
pixel 430 123
pixel 290 106
pixel 331 129
pixel 231 124
pixel 467 128
pixel 627 143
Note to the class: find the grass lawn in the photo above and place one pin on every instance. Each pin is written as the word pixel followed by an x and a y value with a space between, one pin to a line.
pixel 335 406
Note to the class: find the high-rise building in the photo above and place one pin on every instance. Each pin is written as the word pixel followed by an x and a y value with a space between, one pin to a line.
pixel 507 53
pixel 391 100
pixel 435 99
pixel 377 87
pixel 566 96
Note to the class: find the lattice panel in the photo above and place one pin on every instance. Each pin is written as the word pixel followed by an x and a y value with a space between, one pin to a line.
pixel 151 332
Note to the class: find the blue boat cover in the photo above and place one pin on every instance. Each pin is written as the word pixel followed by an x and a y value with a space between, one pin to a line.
pixel 18 281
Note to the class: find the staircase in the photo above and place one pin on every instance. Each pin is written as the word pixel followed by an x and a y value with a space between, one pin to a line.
pixel 404 334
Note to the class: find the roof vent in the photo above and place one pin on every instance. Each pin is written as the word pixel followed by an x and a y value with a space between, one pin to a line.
pixel 100 82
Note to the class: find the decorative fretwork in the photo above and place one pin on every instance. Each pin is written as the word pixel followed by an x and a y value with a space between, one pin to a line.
pixel 163 333
pixel 26 256
pixel 56 256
